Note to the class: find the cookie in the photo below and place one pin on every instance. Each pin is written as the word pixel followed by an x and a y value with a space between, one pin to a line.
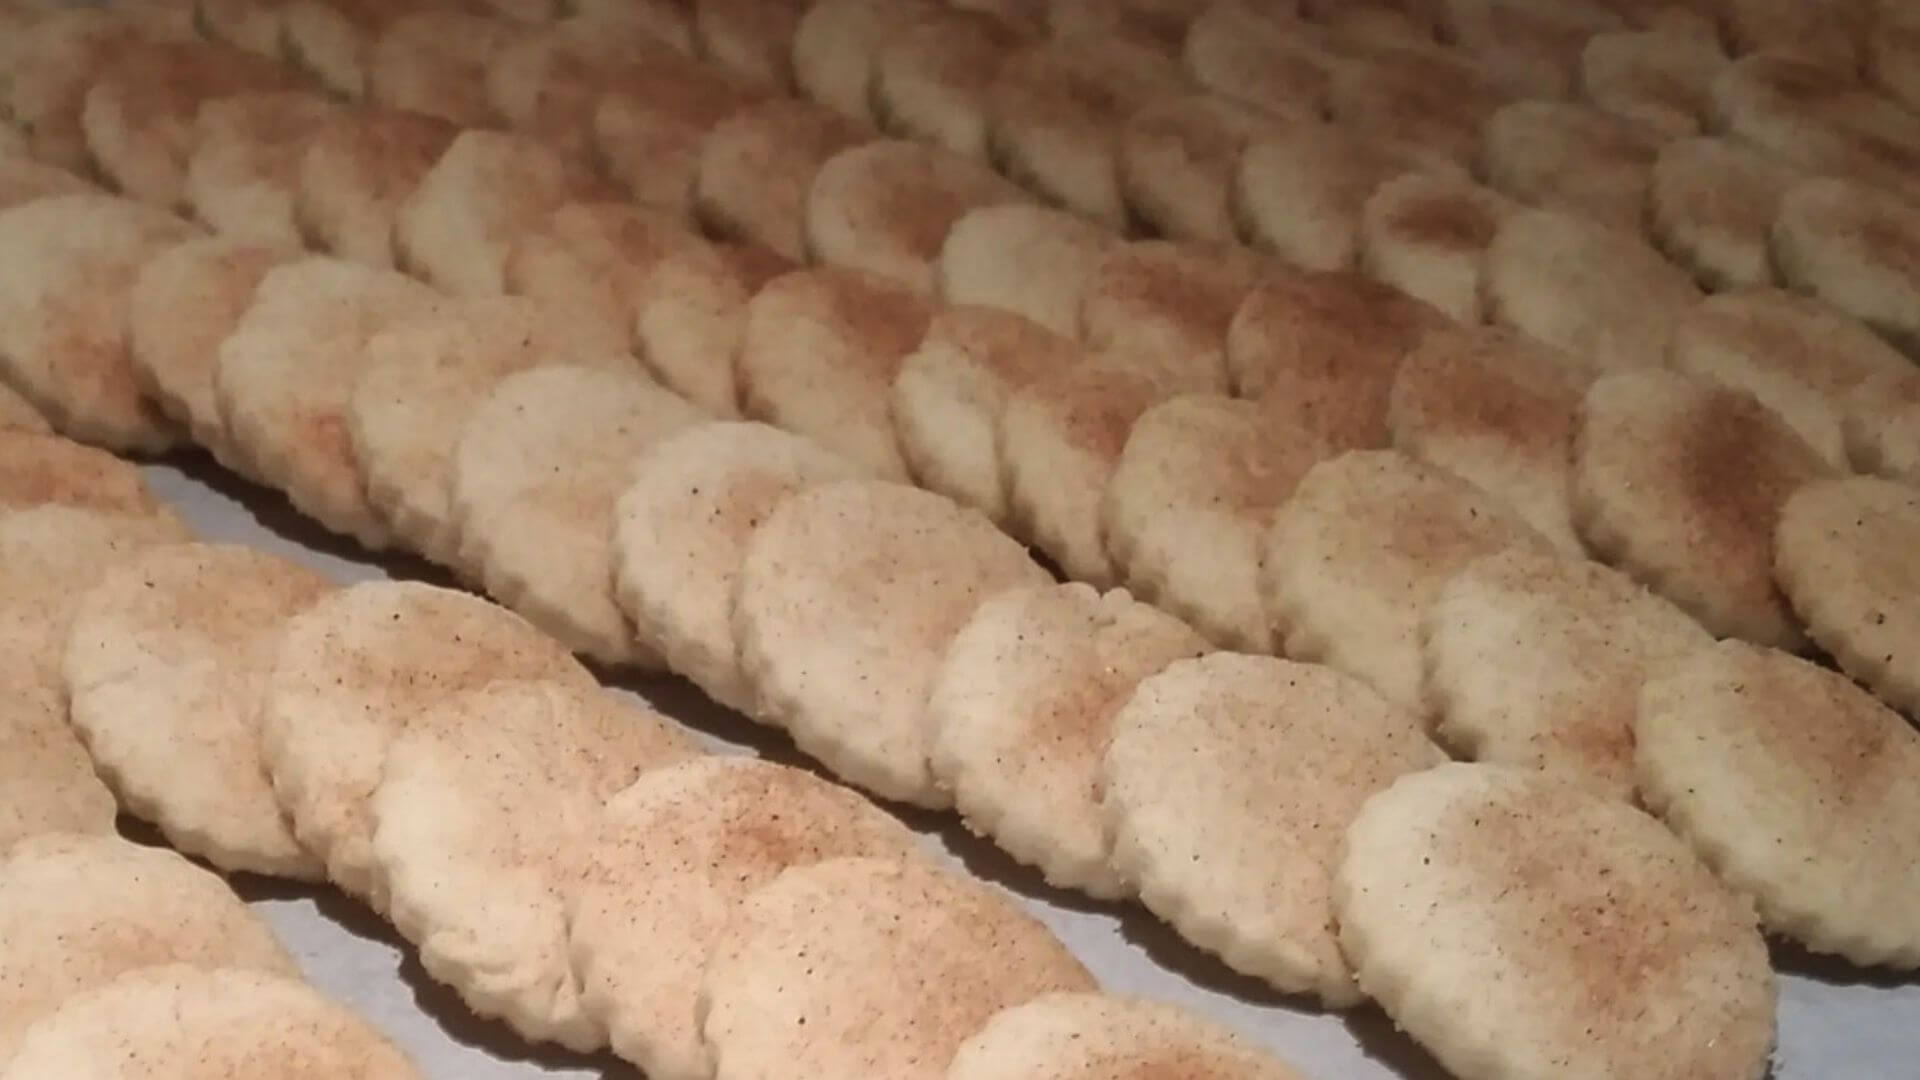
pixel 1882 426
pixel 18 414
pixel 892 965
pixel 1413 93
pixel 251 26
pixel 1167 305
pixel 1535 661
pixel 1060 439
pixel 1657 78
pixel 1354 560
pixel 139 115
pixel 83 911
pixel 932 77
pixel 1300 188
pixel 1258 54
pixel 1514 925
pixel 1320 350
pixel 1177 159
pixel 1572 158
pixel 884 207
pixel 245 167
pixel 547 82
pixel 332 40
pixel 185 301
pixel 485 805
pixel 1057 1036
pixel 1846 244
pixel 285 377
pixel 1228 785
pixel 1054 113
pixel 1022 712
pixel 587 261
pixel 836 46
pixel 435 62
pixel 1817 118
pixel 1498 411
pixel 176 1022
pixel 758 164
pixel 1799 357
pixel 425 375
pixel 51 66
pixel 680 534
pixel 1189 501
pixel 1711 202
pixel 22 180
pixel 1791 782
pixel 165 667
pixel 1029 260
pixel 843 610
pixel 818 357
pixel 750 40
pixel 1679 481
pixel 649 124
pixel 673 857
pixel 455 230
pixel 690 318
pixel 1597 292
pixel 950 392
pixel 38 468
pixel 1427 235
pixel 538 468
pixel 349 672
pixel 358 167
pixel 63 314
pixel 1830 38
pixel 1838 556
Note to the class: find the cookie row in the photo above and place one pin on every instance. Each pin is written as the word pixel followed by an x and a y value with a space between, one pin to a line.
pixel 549 849
pixel 128 961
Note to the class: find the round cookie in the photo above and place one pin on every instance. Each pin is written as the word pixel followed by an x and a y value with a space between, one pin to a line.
pixel 1853 247
pixel 81 911
pixel 1679 481
pixel 587 262
pixel 1882 425
pixel 1416 94
pixel 681 530
pixel 165 670
pixel 818 356
pixel 1519 926
pixel 950 393
pixel 1299 190
pixel 245 167
pixel 932 77
pixel 648 126
pixel 1082 1036
pixel 17 414
pixel 539 465
pixel 884 207
pixel 1572 158
pixel 870 965
pixel 750 40
pixel 480 821
pixel 1319 350
pixel 757 165
pixel 184 303
pixel 455 230
pixel 1600 293
pixel 1177 160
pixel 38 468
pixel 1022 712
pixel 1257 53
pixel 285 375
pixel 1796 786
pixel 434 62
pixel 349 672
pixel 1167 305
pixel 1029 260
pixel 357 168
pixel 1228 784
pixel 1799 357
pixel 836 46
pixel 1498 411
pixel 23 179
pixel 332 40
pixel 180 1023
pixel 425 375
pixel 1841 557
pixel 1188 502
pixel 1054 112
pixel 1353 561
pixel 1711 203
pixel 63 314
pixel 672 859
pixel 1535 660
pixel 52 62
pixel 843 609
pixel 1427 235
pixel 690 316
pixel 1658 78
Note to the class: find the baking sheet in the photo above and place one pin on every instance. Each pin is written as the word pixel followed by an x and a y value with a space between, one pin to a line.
pixel 1835 1021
